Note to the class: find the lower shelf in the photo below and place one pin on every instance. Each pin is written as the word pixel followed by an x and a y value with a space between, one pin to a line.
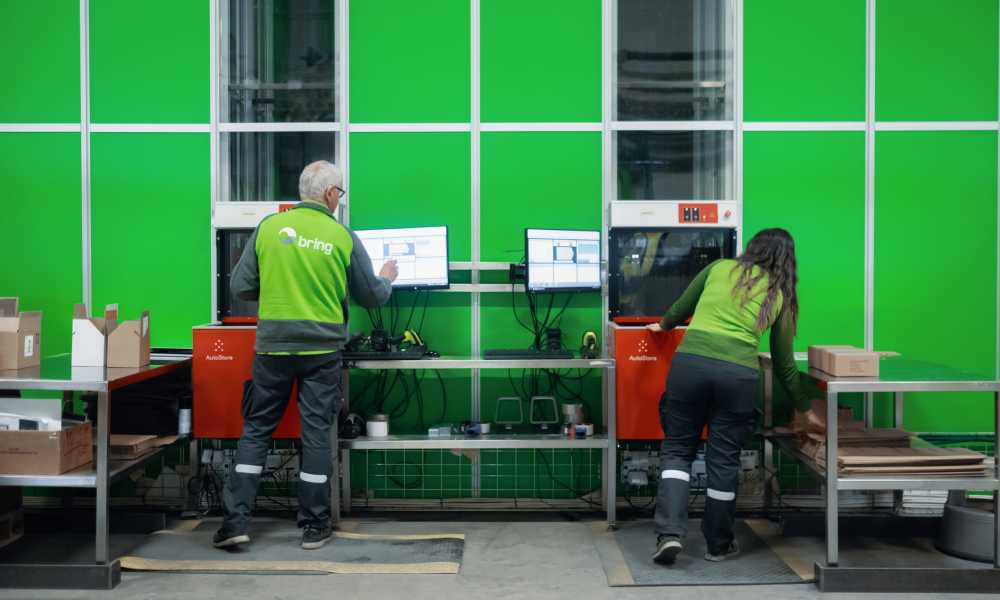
pixel 422 442
pixel 891 482
pixel 85 477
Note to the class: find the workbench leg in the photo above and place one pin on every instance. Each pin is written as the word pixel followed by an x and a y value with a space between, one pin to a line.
pixel 611 481
pixel 996 467
pixel 832 497
pixel 345 480
pixel 103 425
pixel 767 464
pixel 899 410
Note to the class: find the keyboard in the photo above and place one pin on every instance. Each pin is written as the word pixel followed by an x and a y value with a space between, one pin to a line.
pixel 412 354
pixel 525 353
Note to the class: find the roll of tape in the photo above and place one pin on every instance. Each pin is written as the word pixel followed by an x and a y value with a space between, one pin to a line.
pixel 378 428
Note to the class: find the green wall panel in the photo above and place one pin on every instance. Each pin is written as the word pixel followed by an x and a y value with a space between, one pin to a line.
pixel 936 264
pixel 804 61
pixel 541 61
pixel 813 185
pixel 41 68
pixel 151 229
pixel 413 180
pixel 40 234
pixel 544 179
pixel 149 61
pixel 936 61
pixel 410 61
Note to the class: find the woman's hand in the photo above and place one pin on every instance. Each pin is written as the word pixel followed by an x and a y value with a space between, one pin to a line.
pixel 654 327
pixel 808 422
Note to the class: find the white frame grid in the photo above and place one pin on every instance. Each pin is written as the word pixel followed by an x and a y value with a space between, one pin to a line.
pixel 607 126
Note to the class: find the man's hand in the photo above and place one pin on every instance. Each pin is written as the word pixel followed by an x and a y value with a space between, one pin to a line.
pixel 654 327
pixel 390 270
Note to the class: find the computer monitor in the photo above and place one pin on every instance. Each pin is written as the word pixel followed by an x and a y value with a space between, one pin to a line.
pixel 420 252
pixel 562 260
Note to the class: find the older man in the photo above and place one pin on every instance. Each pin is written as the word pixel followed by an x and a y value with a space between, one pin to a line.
pixel 300 265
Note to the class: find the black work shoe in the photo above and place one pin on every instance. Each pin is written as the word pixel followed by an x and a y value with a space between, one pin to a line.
pixel 229 539
pixel 730 552
pixel 667 549
pixel 315 536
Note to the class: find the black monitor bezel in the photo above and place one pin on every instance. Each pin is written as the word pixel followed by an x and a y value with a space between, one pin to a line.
pixel 556 290
pixel 447 259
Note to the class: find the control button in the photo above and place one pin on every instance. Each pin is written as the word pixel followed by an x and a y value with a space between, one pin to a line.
pixel 727 214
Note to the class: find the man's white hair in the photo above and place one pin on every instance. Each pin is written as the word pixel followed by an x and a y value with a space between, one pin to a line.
pixel 317 178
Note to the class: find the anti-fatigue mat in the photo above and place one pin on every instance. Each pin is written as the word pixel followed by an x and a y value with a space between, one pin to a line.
pixel 626 555
pixel 275 547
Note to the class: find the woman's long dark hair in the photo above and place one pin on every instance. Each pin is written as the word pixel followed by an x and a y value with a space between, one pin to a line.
pixel 773 250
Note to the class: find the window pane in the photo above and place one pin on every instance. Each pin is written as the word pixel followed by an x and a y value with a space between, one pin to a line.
pixel 674 60
pixel 265 167
pixel 675 165
pixel 278 63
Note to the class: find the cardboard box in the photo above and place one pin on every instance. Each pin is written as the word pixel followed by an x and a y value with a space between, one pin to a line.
pixel 90 336
pixel 816 354
pixel 852 363
pixel 128 343
pixel 107 342
pixel 20 336
pixel 46 452
pixel 844 361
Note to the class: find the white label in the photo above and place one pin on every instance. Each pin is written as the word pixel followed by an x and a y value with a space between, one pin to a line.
pixel 29 346
pixel 145 325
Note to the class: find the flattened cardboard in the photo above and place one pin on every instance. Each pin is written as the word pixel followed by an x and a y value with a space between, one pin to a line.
pixel 134 446
pixel 128 343
pixel 46 452
pixel 20 336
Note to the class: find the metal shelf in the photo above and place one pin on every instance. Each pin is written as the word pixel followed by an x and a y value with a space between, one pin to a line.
pixel 892 482
pixel 454 362
pixel 87 476
pixel 500 441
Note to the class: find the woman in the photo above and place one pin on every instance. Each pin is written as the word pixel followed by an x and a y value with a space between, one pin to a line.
pixel 714 381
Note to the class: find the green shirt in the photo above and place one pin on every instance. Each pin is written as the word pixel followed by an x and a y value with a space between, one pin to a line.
pixel 723 327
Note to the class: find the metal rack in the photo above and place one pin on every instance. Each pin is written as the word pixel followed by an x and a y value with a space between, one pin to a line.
pixel 606 442
pixel 57 374
pixel 899 375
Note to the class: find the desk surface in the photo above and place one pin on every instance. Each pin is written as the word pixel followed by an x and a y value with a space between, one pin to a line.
pixel 902 374
pixel 56 373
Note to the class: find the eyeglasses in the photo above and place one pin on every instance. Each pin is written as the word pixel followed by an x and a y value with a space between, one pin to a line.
pixel 341 192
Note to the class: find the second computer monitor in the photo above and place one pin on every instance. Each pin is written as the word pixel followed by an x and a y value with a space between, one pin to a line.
pixel 420 252
pixel 561 260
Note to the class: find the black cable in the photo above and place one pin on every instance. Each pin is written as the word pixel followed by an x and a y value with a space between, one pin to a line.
pixel 413 309
pixel 444 395
pixel 423 314
pixel 576 493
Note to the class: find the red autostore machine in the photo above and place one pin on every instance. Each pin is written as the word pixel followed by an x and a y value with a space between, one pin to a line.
pixel 655 250
pixel 222 352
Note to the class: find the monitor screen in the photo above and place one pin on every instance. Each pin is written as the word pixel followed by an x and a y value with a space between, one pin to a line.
pixel 420 252
pixel 563 260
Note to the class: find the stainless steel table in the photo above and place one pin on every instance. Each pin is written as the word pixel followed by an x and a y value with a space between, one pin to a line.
pixel 606 442
pixel 898 375
pixel 56 374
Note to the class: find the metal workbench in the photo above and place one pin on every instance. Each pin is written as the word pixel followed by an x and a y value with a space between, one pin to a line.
pixel 56 374
pixel 898 375
pixel 606 442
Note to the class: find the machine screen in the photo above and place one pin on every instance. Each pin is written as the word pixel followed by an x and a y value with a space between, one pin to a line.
pixel 420 252
pixel 651 268
pixel 560 260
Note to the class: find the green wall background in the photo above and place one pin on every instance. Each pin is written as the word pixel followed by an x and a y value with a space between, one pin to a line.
pixel 935 192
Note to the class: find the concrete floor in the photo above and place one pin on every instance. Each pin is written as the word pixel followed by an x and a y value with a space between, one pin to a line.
pixel 520 560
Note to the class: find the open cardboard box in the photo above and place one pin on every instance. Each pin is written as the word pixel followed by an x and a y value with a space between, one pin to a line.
pixel 67 448
pixel 20 336
pixel 106 342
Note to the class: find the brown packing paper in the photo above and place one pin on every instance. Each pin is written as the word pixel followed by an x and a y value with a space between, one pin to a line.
pixel 46 452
